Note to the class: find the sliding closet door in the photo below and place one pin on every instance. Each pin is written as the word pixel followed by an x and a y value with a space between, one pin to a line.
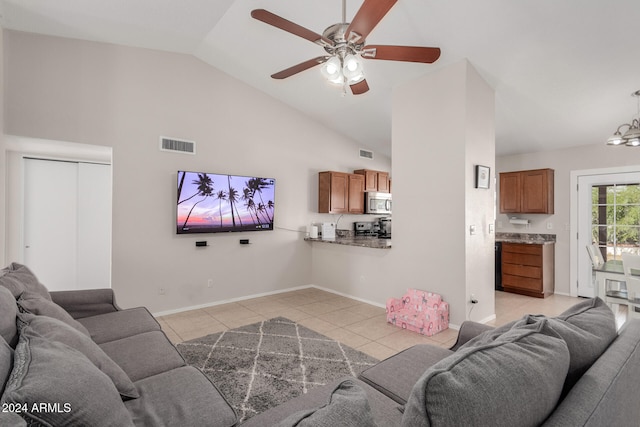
pixel 67 223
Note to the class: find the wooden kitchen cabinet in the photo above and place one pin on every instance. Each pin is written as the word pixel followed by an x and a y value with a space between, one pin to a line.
pixel 529 191
pixel 374 180
pixel 528 269
pixel 340 193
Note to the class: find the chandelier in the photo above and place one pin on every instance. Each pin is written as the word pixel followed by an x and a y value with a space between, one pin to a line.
pixel 631 137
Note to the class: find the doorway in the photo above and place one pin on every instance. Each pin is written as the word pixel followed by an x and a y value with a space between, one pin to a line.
pixel 59 211
pixel 608 215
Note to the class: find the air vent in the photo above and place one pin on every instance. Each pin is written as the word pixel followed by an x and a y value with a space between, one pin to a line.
pixel 177 145
pixel 366 154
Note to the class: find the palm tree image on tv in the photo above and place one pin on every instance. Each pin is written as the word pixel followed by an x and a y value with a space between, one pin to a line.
pixel 209 203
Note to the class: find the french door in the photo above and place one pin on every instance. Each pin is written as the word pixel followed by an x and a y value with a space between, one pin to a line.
pixel 609 217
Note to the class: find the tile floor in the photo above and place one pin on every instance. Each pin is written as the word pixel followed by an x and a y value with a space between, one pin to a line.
pixel 354 323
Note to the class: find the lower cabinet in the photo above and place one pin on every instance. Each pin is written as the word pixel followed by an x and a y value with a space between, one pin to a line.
pixel 528 269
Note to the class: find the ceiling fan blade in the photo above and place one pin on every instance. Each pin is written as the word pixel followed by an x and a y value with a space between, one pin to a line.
pixel 300 67
pixel 290 27
pixel 359 88
pixel 402 53
pixel 368 16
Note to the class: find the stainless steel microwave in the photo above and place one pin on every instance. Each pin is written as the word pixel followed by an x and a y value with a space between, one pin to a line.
pixel 377 203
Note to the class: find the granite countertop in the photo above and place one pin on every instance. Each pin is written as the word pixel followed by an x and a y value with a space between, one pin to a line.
pixel 528 238
pixel 363 242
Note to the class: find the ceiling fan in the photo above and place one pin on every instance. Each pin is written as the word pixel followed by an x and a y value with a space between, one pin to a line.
pixel 344 44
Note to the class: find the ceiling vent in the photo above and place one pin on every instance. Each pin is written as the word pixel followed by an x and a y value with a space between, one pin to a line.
pixel 366 154
pixel 177 145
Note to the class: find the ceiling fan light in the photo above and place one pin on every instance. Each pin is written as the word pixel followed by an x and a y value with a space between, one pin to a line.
pixel 332 70
pixel 351 63
pixel 352 69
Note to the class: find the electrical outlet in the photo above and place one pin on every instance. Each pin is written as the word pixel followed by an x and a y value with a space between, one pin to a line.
pixel 549 226
pixel 210 283
pixel 161 291
pixel 473 299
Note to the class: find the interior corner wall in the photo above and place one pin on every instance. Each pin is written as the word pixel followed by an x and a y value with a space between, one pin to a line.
pixel 126 98
pixel 442 126
pixel 480 203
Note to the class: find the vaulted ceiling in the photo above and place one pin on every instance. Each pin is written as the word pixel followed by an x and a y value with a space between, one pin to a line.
pixel 562 71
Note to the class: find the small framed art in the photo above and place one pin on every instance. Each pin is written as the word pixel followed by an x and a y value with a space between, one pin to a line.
pixel 482 176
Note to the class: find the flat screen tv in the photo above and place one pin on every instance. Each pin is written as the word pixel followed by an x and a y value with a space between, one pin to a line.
pixel 212 203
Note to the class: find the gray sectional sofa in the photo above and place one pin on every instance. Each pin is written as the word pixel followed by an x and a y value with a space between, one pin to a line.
pixel 75 359
pixel 572 370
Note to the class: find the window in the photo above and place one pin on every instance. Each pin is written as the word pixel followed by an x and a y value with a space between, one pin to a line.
pixel 616 219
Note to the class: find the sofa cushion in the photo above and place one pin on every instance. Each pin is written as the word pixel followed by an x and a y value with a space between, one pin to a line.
pixel 18 279
pixel 33 303
pixel 396 375
pixel 386 412
pixel 53 329
pixel 72 390
pixel 8 310
pixel 180 397
pixel 347 406
pixel 606 395
pixel 588 328
pixel 6 362
pixel 514 380
pixel 120 324
pixel 11 419
pixel 144 355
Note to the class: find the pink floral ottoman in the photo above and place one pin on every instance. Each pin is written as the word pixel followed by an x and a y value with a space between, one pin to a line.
pixel 419 311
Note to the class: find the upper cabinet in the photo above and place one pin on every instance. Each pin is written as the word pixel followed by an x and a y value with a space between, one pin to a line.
pixel 374 180
pixel 529 191
pixel 340 193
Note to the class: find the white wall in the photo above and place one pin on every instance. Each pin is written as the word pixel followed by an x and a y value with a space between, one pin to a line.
pixel 594 156
pixel 124 98
pixel 442 127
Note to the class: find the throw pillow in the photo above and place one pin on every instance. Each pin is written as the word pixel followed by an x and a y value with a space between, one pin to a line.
pixel 18 278
pixel 347 407
pixel 6 362
pixel 55 385
pixel 588 328
pixel 33 303
pixel 8 311
pixel 55 330
pixel 514 380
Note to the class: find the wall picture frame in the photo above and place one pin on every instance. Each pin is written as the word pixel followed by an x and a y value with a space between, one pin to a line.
pixel 482 176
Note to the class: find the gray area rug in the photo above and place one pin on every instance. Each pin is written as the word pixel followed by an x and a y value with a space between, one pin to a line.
pixel 261 365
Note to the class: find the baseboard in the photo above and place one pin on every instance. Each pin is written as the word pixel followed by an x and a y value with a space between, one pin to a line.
pixel 227 301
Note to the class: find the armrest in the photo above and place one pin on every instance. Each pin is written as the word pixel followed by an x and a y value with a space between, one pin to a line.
pixel 86 302
pixel 394 304
pixel 469 329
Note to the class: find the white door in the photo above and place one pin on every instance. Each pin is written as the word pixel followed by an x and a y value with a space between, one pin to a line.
pixel 67 223
pixel 616 233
